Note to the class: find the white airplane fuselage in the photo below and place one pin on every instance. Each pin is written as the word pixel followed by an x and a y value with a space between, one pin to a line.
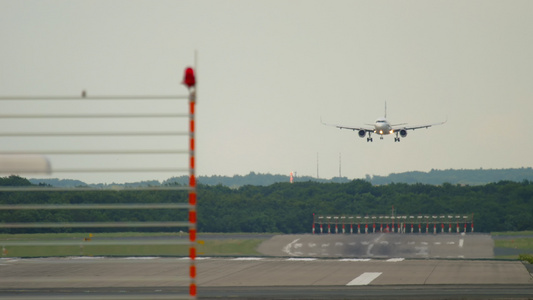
pixel 382 127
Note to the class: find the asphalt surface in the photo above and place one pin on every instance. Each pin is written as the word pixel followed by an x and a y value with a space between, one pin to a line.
pixel 373 266
pixel 381 245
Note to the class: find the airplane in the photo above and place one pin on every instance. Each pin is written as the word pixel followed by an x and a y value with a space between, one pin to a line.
pixel 383 127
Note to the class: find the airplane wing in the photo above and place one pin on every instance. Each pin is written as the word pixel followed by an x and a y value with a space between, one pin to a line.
pixel 348 127
pixel 396 127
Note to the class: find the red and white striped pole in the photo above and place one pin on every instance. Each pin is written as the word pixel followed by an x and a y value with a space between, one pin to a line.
pixel 190 81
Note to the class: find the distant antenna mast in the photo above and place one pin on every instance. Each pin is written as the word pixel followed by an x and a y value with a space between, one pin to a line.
pixel 317 166
pixel 340 174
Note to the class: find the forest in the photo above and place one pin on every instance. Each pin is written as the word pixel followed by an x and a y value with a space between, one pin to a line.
pixel 281 207
pixel 452 176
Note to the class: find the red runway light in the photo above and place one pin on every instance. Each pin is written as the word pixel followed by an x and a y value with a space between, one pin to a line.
pixel 188 79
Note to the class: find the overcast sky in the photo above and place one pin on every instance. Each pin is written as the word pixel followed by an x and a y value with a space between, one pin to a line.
pixel 269 70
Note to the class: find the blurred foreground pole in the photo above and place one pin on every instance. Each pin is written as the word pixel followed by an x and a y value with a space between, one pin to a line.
pixel 189 80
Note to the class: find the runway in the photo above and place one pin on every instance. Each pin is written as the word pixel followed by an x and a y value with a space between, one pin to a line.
pixel 381 245
pixel 374 275
pixel 245 277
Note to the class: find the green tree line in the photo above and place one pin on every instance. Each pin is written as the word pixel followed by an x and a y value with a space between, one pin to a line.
pixel 285 207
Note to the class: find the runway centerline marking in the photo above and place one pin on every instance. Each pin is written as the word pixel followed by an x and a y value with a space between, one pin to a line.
pixel 461 241
pixel 365 278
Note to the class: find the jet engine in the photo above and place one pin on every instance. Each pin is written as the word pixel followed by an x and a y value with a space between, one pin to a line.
pixel 403 133
pixel 362 133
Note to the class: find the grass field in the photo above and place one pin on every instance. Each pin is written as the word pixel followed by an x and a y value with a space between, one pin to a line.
pixel 105 244
pixel 112 244
pixel 512 233
pixel 518 242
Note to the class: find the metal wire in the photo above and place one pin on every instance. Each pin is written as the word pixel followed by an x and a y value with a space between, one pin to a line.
pixel 103 97
pixel 94 225
pixel 116 170
pixel 96 242
pixel 109 188
pixel 95 168
pixel 95 152
pixel 95 206
pixel 91 116
pixel 62 134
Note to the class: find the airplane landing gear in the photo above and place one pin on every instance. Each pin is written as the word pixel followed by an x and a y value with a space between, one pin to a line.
pixel 397 138
pixel 369 138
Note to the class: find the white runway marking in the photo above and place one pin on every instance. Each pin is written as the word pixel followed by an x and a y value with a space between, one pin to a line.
pixel 395 259
pixel 461 241
pixel 248 258
pixel 287 249
pixel 368 251
pixel 355 259
pixel 365 278
pixel 301 259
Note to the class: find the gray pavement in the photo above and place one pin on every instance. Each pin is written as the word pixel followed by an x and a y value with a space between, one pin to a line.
pixel 380 245
pixel 217 272
pixel 373 266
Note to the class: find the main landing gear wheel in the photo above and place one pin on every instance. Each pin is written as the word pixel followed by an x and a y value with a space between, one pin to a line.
pixel 369 139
